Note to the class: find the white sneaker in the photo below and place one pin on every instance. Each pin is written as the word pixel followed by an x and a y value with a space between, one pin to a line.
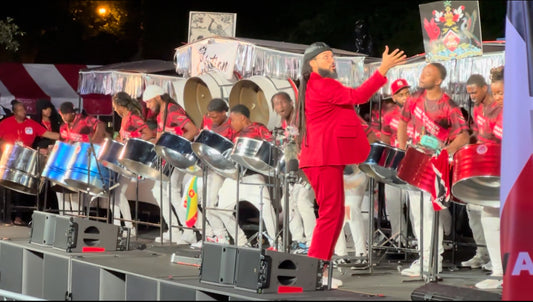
pixel 197 244
pixel 176 237
pixel 414 269
pixel 487 266
pixel 335 283
pixel 489 284
pixel 476 262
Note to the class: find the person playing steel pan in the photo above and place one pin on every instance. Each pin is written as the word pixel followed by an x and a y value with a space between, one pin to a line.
pixel 132 125
pixel 172 118
pixel 331 137
pixel 80 127
pixel 18 128
pixel 438 118
pixel 485 221
pixel 396 198
pixel 250 189
pixel 217 120
pixel 302 218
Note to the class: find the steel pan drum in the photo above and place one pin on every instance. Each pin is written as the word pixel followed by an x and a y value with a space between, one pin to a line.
pixel 476 174
pixel 139 156
pixel 214 150
pixel 177 151
pixel 85 173
pixel 416 169
pixel 56 167
pixel 20 169
pixel 257 155
pixel 382 163
pixel 108 156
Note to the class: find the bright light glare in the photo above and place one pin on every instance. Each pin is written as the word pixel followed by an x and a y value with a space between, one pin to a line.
pixel 102 11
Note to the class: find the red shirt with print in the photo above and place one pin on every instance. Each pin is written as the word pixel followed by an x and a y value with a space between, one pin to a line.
pixel 442 119
pixel 485 119
pixel 223 129
pixel 82 128
pixel 498 127
pixel 131 126
pixel 11 131
pixel 391 119
pixel 176 119
pixel 255 131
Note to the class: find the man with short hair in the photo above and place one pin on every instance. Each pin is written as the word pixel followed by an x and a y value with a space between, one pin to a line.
pixel 80 127
pixel 252 189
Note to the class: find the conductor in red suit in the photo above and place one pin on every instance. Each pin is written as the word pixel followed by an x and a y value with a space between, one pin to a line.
pixel 331 135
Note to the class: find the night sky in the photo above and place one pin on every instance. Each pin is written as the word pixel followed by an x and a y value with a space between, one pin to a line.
pixel 69 31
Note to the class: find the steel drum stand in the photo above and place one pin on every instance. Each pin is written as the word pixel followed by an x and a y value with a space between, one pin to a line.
pixel 289 179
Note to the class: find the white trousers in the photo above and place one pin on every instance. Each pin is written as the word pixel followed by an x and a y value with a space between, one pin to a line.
pixel 122 205
pixel 428 217
pixel 396 200
pixel 252 189
pixel 490 219
pixel 474 220
pixel 302 218
pixel 355 187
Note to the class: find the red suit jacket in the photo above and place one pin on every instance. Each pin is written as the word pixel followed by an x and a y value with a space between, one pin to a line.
pixel 334 133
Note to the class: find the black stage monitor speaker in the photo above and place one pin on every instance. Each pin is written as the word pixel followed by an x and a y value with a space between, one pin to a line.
pixel 266 271
pixel 218 263
pixel 440 292
pixel 73 234
pixel 76 234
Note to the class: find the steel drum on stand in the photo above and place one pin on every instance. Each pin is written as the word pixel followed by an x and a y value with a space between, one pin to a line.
pixel 214 150
pixel 20 169
pixel 416 169
pixel 382 164
pixel 177 151
pixel 56 167
pixel 257 155
pixel 476 174
pixel 84 172
pixel 139 156
pixel 108 156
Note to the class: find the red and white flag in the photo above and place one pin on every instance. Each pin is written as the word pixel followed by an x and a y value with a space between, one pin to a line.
pixel 516 209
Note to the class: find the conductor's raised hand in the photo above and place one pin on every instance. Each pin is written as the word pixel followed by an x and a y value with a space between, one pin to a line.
pixel 389 60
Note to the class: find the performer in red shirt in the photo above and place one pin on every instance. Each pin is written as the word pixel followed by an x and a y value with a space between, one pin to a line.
pixel 332 137
pixel 79 127
pixel 302 218
pixel 432 113
pixel 251 187
pixel 172 118
pixel 487 113
pixel 20 129
pixel 217 120
pixel 132 125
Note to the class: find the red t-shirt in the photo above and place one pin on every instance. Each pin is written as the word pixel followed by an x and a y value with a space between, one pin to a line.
pixel 223 129
pixel 11 131
pixel 485 119
pixel 391 119
pixel 255 131
pixel 443 119
pixel 498 127
pixel 176 119
pixel 82 128
pixel 131 126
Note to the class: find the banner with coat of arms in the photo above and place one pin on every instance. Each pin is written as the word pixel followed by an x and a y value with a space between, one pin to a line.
pixel 451 30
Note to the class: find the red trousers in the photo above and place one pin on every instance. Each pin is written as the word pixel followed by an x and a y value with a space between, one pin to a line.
pixel 328 184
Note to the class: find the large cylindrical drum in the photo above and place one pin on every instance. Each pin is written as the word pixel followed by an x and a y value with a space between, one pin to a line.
pixel 20 169
pixel 382 163
pixel 139 156
pixel 416 169
pixel 200 90
pixel 55 169
pixel 84 172
pixel 255 92
pixel 257 155
pixel 476 174
pixel 108 156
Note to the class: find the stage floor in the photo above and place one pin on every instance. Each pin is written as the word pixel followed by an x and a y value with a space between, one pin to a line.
pixel 148 258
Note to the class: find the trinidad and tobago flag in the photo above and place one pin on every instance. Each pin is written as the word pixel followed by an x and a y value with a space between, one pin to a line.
pixel 516 190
